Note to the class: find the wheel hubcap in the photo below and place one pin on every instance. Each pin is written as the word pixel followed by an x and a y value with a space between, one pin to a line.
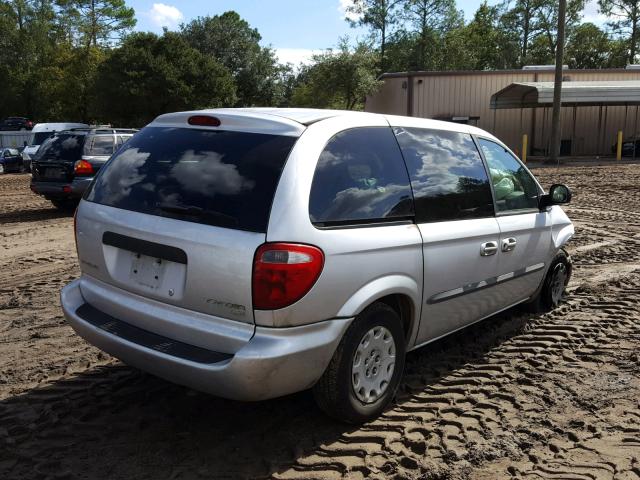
pixel 558 282
pixel 373 364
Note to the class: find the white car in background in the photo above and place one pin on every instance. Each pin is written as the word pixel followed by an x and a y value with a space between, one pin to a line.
pixel 39 133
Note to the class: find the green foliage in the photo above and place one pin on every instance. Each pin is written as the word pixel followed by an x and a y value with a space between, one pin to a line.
pixel 591 47
pixel 230 40
pixel 97 22
pixel 624 23
pixel 150 75
pixel 380 16
pixel 430 19
pixel 488 46
pixel 76 60
pixel 339 78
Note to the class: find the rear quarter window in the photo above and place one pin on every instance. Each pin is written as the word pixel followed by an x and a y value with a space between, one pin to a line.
pixel 360 178
pixel 99 145
pixel 217 177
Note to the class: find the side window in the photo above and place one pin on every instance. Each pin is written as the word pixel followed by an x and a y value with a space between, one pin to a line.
pixel 121 140
pixel 513 185
pixel 100 145
pixel 448 177
pixel 360 177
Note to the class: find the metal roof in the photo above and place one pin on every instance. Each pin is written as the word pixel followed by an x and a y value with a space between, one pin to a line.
pixel 448 73
pixel 540 94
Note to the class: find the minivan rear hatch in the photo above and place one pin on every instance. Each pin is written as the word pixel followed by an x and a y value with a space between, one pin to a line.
pixel 177 214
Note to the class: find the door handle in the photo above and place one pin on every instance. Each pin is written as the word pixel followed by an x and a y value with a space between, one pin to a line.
pixel 488 248
pixel 508 244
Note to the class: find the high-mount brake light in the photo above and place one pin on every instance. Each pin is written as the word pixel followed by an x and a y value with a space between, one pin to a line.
pixel 82 167
pixel 283 273
pixel 204 121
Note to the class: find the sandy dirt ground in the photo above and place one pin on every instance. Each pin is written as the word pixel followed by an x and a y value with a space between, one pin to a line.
pixel 554 396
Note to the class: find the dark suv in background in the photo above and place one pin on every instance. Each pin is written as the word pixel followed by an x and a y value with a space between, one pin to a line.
pixel 67 162
pixel 16 124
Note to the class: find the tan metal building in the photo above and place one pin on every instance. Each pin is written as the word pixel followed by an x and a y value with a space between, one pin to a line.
pixel 465 96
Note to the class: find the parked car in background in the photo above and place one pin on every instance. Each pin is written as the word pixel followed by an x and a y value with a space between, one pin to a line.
pixel 10 160
pixel 16 123
pixel 628 148
pixel 254 253
pixel 39 133
pixel 66 163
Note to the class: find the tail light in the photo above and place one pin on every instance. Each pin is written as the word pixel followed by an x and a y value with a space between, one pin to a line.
pixel 283 273
pixel 82 167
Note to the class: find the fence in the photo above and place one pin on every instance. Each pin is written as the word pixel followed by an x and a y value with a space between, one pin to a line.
pixel 14 139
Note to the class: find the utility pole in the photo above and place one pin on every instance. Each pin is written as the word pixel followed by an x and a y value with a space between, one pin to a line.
pixel 557 87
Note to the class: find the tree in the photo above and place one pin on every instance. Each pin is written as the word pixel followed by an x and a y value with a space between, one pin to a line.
pixel 98 22
pixel 548 21
pixel 150 75
pixel 380 16
pixel 521 20
pixel 534 24
pixel 28 44
pixel 428 18
pixel 627 13
pixel 338 79
pixel 488 45
pixel 557 83
pixel 231 41
pixel 591 47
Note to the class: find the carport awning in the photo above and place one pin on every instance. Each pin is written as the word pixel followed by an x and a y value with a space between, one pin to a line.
pixel 540 94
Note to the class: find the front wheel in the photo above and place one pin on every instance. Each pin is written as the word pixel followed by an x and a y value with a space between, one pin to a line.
pixel 554 284
pixel 366 368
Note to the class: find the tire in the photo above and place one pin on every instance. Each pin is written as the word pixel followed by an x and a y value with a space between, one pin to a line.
pixel 336 392
pixel 550 295
pixel 1 168
pixel 65 205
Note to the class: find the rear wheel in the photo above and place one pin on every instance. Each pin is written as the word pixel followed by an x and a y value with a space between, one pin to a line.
pixel 554 284
pixel 64 205
pixel 366 369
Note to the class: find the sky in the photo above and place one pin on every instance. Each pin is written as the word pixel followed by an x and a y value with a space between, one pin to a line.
pixel 294 28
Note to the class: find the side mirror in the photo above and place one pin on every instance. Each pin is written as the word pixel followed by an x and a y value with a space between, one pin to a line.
pixel 558 195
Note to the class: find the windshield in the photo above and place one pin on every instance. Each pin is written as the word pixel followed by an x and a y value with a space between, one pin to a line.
pixel 214 177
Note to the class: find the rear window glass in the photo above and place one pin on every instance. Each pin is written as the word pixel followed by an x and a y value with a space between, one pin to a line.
pixel 64 147
pixel 38 138
pixel 218 178
pixel 99 145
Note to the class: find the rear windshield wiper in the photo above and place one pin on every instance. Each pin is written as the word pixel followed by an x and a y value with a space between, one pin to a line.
pixel 210 216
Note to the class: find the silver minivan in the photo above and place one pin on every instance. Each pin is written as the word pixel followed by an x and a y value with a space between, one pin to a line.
pixel 253 253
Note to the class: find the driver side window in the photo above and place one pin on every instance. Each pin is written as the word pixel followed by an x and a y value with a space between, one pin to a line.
pixel 513 185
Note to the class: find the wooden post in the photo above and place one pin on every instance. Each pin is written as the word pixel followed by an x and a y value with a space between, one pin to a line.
pixel 524 147
pixel 557 86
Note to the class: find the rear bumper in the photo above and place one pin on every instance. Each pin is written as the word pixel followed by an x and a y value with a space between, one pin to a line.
pixel 73 189
pixel 274 362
